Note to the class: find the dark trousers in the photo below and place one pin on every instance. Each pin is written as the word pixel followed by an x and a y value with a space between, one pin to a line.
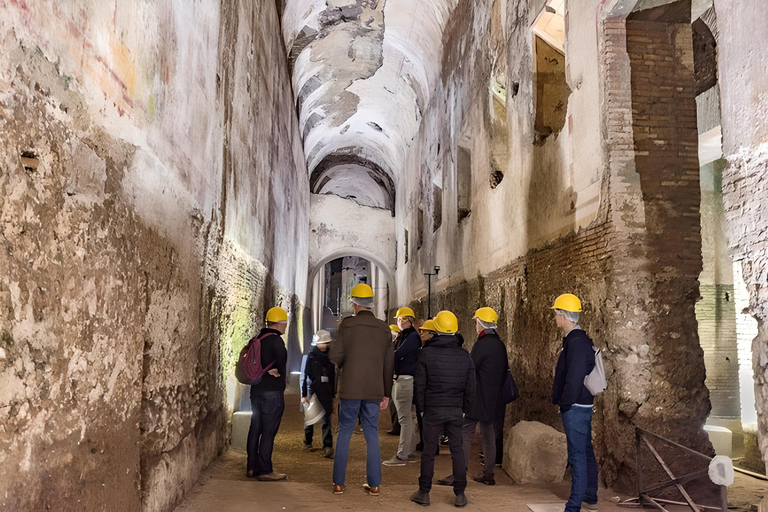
pixel 488 431
pixel 498 425
pixel 434 423
pixel 327 436
pixel 267 410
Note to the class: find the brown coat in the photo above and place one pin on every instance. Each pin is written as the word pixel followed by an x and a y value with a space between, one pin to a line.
pixel 363 351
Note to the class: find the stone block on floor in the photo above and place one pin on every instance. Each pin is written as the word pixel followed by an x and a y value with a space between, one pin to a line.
pixel 535 453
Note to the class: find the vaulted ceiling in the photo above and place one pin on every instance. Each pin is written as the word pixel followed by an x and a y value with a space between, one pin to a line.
pixel 363 71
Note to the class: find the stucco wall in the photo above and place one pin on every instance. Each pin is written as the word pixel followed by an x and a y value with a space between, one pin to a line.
pixel 744 93
pixel 161 205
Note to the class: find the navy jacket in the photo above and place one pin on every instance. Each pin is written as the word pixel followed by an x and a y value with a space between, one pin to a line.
pixel 272 350
pixel 407 347
pixel 489 354
pixel 576 361
pixel 445 376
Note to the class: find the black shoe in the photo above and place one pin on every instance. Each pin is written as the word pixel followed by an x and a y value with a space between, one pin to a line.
pixel 461 500
pixel 420 497
pixel 393 432
pixel 446 481
pixel 485 480
pixel 419 447
pixel 444 440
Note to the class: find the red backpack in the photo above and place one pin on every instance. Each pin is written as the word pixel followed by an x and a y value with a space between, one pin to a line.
pixel 249 370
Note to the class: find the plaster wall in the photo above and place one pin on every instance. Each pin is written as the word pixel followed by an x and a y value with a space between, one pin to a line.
pixel 154 202
pixel 744 104
pixel 578 211
pixel 342 227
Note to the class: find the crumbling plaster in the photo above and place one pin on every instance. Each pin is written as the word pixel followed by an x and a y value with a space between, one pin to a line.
pixel 338 225
pixel 571 214
pixel 163 208
pixel 744 107
pixel 364 72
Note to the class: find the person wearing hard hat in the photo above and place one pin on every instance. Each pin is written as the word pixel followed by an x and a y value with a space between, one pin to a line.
pixel 489 355
pixel 267 400
pixel 407 347
pixel 395 430
pixel 319 380
pixel 364 354
pixel 426 333
pixel 576 361
pixel 445 385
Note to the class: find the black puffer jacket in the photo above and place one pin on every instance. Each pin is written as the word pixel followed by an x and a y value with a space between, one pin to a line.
pixel 445 376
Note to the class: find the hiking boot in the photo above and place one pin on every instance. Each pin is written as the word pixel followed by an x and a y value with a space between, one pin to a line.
pixel 588 506
pixel 395 461
pixel 446 481
pixel 272 477
pixel 420 497
pixel 461 500
pixel 338 489
pixel 373 491
pixel 328 452
pixel 487 480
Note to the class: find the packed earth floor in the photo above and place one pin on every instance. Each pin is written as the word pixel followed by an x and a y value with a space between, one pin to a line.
pixel 224 487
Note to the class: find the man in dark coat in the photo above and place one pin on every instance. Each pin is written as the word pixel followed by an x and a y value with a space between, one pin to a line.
pixel 489 355
pixel 444 386
pixel 576 361
pixel 320 380
pixel 267 400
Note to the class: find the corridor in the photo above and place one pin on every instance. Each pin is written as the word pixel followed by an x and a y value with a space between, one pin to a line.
pixel 172 170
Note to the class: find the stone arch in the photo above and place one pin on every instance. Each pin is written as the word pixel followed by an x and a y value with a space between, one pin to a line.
pixel 353 251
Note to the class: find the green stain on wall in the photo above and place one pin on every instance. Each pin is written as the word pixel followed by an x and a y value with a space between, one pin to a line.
pixel 151 107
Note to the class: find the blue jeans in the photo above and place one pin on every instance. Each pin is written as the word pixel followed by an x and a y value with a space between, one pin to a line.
pixel 267 408
pixel 349 410
pixel 577 423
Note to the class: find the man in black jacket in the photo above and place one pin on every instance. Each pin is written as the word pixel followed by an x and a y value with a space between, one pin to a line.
pixel 407 345
pixel 576 361
pixel 489 355
pixel 319 380
pixel 267 401
pixel 445 385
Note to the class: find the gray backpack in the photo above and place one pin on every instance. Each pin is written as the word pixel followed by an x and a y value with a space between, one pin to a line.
pixel 595 382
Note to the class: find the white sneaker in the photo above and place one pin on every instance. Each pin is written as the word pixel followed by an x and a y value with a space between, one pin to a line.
pixel 395 461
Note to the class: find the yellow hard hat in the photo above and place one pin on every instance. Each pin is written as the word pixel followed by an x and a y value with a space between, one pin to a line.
pixel 362 291
pixel 446 322
pixel 405 312
pixel 429 325
pixel 568 302
pixel 276 315
pixel 487 315
pixel 394 328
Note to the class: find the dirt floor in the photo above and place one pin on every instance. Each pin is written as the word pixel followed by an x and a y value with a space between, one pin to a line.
pixel 224 487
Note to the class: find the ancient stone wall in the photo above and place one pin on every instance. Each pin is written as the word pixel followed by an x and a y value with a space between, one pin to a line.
pixel 153 204
pixel 578 211
pixel 744 93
